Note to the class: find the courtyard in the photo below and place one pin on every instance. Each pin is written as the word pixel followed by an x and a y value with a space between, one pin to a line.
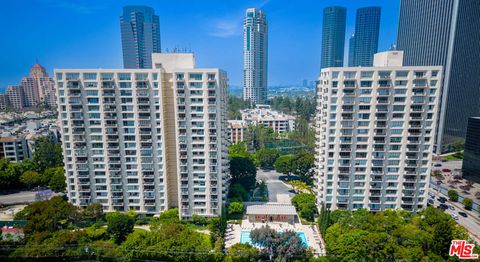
pixel 280 216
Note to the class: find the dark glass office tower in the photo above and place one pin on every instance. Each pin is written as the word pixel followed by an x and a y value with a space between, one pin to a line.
pixel 471 160
pixel 333 36
pixel 140 36
pixel 446 33
pixel 365 43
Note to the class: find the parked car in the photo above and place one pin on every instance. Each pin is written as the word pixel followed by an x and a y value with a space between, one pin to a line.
pixel 437 165
pixel 443 206
pixel 463 214
pixel 442 199
pixel 451 207
pixel 455 217
pixel 430 202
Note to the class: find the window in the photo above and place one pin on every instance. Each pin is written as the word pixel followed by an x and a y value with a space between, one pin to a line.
pixel 106 76
pixel 349 75
pixel 195 76
pixel 365 83
pixel 124 76
pixel 141 76
pixel 92 93
pixel 366 74
pixel 90 76
pixel 402 73
pixel 92 100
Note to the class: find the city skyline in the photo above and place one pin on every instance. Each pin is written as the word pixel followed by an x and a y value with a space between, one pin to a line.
pixel 215 23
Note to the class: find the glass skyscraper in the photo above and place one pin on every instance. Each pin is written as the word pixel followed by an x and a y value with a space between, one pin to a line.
pixel 255 56
pixel 140 36
pixel 365 42
pixel 333 36
pixel 446 33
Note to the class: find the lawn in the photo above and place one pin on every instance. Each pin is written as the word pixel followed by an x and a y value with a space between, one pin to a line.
pixel 456 156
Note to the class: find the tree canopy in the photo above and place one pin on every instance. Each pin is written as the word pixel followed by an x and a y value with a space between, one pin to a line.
pixel 119 225
pixel 283 246
pixel 266 157
pixel 391 235
pixel 46 154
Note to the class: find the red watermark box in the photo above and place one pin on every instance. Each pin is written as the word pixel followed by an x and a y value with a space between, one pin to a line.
pixel 462 249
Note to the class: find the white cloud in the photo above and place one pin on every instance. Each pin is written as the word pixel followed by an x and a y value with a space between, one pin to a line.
pixel 226 28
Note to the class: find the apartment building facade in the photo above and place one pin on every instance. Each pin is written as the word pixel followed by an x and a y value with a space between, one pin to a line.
pixel 375 129
pixel 236 130
pixel 264 115
pixel 14 149
pixel 146 139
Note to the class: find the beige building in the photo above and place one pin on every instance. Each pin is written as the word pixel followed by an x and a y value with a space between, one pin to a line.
pixel 264 115
pixel 375 129
pixel 272 212
pixel 236 130
pixel 14 149
pixel 146 139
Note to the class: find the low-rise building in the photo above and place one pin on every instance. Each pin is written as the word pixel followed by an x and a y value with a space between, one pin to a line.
pixel 264 115
pixel 14 149
pixel 236 130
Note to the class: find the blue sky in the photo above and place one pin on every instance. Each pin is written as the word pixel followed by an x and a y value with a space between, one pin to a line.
pixel 86 34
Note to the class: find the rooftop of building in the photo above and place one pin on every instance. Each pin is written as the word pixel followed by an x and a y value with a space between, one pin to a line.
pixel 237 124
pixel 264 113
pixel 271 209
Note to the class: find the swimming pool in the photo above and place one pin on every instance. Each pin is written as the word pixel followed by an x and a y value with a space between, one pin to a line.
pixel 245 237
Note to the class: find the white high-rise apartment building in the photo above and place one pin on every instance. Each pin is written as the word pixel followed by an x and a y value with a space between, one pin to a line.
pixel 146 139
pixel 375 133
pixel 255 56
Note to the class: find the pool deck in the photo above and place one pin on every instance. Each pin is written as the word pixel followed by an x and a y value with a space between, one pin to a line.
pixel 312 235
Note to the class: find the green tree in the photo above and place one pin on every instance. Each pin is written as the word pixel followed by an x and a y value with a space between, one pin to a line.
pixel 46 154
pixel 30 178
pixel 235 104
pixel 284 164
pixel 324 219
pixel 303 133
pixel 235 208
pixel 57 181
pixel 468 203
pixel 305 205
pixel 169 216
pixel 119 226
pixel 93 212
pixel 453 195
pixel 45 246
pixel 266 157
pixel 284 246
pixel 242 253
pixel 458 146
pixel 239 149
pixel 10 173
pixel 199 220
pixel 170 242
pixel 302 164
pixel 217 227
pixel 443 235
pixel 243 171
pixel 48 215
pixel 257 136
pixel 237 191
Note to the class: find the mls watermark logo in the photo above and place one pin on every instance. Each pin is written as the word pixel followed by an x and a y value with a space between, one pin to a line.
pixel 462 249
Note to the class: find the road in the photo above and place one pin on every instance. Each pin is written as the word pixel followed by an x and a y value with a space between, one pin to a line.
pixel 20 197
pixel 274 185
pixel 470 223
